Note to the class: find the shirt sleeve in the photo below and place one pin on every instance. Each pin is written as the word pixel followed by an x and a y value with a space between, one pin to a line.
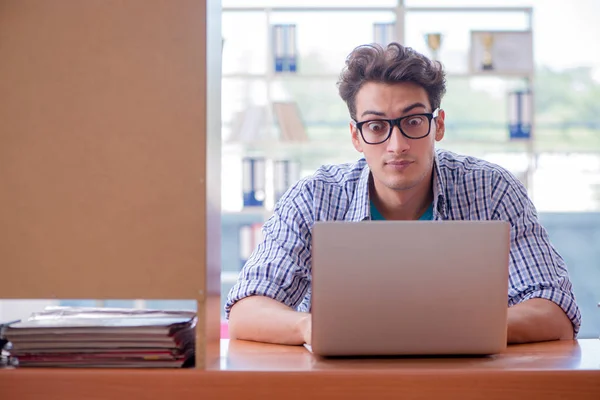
pixel 536 269
pixel 280 266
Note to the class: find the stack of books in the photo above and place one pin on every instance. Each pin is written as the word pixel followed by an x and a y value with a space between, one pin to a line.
pixel 103 337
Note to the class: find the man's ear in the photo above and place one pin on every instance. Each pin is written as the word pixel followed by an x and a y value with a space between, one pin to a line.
pixel 356 142
pixel 440 125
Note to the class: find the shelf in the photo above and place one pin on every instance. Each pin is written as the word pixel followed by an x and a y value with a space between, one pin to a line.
pixel 229 277
pixel 335 76
pixel 246 216
pixel 343 144
pixel 405 9
pixel 247 211
pixel 302 150
pixel 308 9
pixel 470 9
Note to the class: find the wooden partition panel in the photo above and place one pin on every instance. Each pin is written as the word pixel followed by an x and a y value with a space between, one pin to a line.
pixel 108 110
pixel 103 148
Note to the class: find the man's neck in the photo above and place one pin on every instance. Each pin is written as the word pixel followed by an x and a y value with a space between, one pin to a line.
pixel 402 204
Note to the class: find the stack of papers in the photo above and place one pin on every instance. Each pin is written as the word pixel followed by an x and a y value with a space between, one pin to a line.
pixel 103 337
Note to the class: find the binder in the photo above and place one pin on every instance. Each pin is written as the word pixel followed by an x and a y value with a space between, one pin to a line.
pixel 520 114
pixel 285 174
pixel 284 48
pixel 290 41
pixel 253 181
pixel 278 47
pixel 245 240
pixel 250 236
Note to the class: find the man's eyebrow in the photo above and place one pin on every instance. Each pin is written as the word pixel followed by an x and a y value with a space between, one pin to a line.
pixel 413 106
pixel 404 111
pixel 372 112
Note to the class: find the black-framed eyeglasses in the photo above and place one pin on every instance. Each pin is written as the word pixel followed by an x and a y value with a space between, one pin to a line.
pixel 414 126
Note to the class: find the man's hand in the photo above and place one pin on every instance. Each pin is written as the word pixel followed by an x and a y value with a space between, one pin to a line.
pixel 538 320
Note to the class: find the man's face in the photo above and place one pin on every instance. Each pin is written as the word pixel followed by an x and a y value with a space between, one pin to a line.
pixel 399 163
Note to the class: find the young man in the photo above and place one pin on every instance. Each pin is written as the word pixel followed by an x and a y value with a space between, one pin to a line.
pixel 393 96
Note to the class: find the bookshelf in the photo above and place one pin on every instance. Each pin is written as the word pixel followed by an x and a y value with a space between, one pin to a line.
pixel 328 133
pixel 410 23
pixel 109 142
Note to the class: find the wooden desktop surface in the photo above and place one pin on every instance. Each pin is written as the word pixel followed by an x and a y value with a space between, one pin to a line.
pixel 552 370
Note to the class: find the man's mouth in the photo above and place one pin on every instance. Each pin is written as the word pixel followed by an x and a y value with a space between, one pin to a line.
pixel 399 162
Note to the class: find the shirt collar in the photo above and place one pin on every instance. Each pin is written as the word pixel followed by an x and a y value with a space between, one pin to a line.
pixel 360 206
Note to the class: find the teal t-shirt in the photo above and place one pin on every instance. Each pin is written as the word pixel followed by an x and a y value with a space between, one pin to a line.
pixel 376 215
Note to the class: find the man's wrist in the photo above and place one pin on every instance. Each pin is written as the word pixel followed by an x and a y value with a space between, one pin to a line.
pixel 304 327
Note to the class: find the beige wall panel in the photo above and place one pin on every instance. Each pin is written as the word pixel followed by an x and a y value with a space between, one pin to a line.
pixel 103 137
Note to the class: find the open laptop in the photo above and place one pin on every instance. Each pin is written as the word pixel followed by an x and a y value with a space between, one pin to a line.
pixel 409 287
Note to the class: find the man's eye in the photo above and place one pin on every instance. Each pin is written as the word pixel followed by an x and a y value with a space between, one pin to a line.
pixel 376 126
pixel 416 121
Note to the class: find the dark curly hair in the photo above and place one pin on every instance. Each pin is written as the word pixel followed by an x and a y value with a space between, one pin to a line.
pixel 394 64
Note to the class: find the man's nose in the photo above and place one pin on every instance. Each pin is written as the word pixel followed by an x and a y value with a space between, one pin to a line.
pixel 398 143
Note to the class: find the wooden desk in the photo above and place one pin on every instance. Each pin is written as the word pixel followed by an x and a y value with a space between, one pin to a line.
pixel 247 370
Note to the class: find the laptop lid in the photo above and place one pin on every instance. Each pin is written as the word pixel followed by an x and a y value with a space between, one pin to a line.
pixel 409 287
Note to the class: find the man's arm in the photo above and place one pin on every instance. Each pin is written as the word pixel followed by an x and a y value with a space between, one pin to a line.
pixel 538 320
pixel 263 319
pixel 266 302
pixel 541 302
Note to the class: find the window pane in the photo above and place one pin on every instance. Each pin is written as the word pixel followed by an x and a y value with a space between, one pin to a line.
pixel 243 109
pixel 567 182
pixel 245 42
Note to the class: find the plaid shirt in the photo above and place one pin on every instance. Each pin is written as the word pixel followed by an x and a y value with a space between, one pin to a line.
pixel 465 188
